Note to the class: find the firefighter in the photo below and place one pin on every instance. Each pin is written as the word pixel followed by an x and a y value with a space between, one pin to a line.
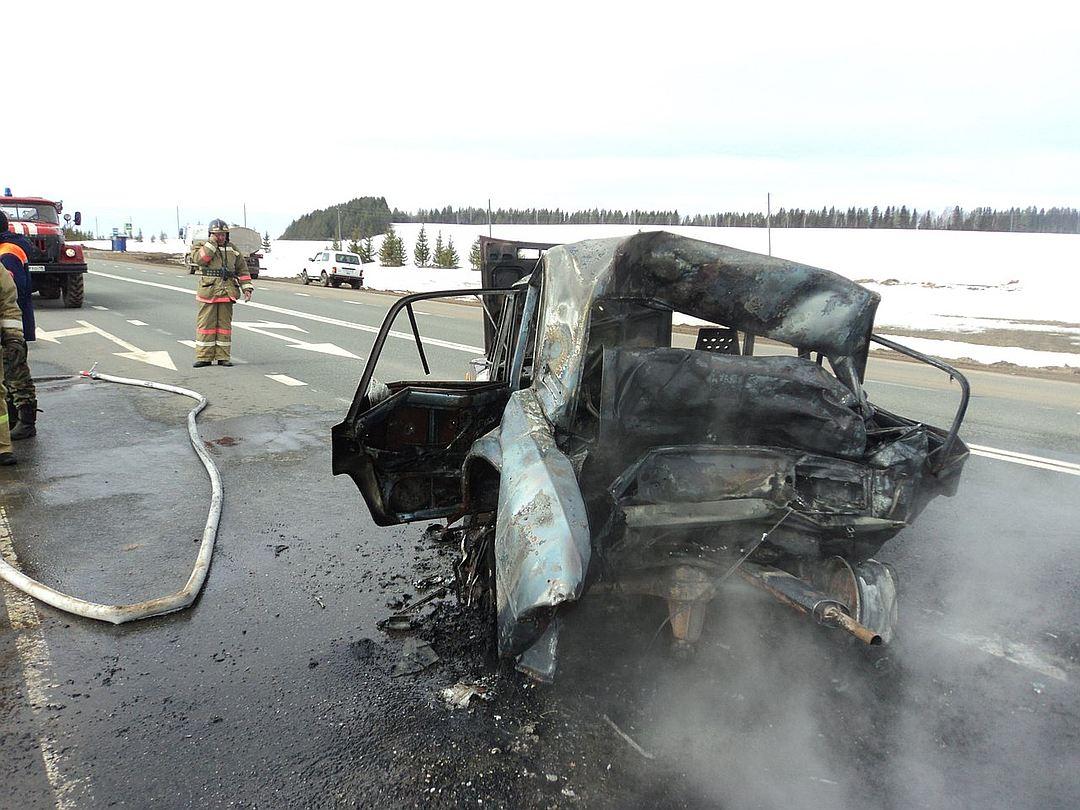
pixel 21 395
pixel 12 257
pixel 225 278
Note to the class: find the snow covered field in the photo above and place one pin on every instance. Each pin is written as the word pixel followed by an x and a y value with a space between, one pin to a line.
pixel 954 282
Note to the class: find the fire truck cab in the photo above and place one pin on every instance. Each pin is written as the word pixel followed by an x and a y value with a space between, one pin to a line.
pixel 56 268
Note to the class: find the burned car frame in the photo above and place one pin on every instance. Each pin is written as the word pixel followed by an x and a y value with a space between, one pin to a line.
pixel 590 451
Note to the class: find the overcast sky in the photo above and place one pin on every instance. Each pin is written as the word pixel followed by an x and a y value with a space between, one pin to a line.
pixel 134 108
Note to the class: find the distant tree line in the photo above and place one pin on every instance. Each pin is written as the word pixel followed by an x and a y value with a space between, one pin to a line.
pixel 1024 220
pixel 370 216
pixel 360 218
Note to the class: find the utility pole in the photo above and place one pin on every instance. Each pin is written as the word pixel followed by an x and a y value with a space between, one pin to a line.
pixel 245 219
pixel 489 217
pixel 179 235
pixel 768 218
pixel 338 225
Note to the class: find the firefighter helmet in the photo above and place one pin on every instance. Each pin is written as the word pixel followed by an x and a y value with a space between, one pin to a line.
pixel 218 226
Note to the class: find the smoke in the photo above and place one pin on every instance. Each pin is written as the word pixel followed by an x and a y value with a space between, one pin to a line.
pixel 974 704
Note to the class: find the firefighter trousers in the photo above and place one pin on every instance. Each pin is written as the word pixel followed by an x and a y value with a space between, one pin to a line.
pixel 17 379
pixel 213 324
pixel 5 425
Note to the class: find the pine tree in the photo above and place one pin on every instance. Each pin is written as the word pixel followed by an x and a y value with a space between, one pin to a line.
pixel 439 249
pixel 392 250
pixel 367 251
pixel 422 251
pixel 335 245
pixel 354 242
pixel 450 255
pixel 266 242
pixel 476 256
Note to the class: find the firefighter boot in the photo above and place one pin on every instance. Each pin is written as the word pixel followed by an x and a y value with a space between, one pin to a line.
pixel 27 425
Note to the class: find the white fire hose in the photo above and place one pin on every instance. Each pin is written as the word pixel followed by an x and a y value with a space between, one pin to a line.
pixel 118 614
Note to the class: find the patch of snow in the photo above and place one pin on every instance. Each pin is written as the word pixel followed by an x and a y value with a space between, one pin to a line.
pixel 955 350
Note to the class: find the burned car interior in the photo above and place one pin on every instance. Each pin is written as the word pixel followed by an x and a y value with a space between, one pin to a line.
pixel 655 414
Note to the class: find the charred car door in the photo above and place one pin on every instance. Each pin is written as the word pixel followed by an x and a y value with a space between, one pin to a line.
pixel 404 443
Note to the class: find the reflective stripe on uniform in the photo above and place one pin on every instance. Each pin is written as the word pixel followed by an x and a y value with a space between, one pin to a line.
pixel 243 278
pixel 4 417
pixel 205 343
pixel 225 300
pixel 11 323
pixel 18 252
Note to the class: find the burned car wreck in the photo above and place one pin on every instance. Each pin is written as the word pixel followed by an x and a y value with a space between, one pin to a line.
pixel 597 445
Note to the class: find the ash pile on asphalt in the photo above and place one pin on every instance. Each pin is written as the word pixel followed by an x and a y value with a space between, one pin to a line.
pixel 522 744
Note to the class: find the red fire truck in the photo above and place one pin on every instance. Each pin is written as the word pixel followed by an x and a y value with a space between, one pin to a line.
pixel 56 268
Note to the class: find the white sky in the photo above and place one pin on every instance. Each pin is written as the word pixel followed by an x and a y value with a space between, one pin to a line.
pixel 137 107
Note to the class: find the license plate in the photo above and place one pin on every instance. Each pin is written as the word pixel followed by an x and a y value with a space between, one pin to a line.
pixel 36 268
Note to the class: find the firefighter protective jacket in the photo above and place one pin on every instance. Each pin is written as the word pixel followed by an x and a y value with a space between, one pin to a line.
pixel 14 253
pixel 223 277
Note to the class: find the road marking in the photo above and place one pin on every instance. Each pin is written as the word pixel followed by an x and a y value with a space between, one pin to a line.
pixel 155 358
pixel 323 348
pixel 285 379
pixel 189 343
pixel 270 325
pixel 899 385
pixel 34 654
pixel 303 295
pixel 99 308
pixel 307 316
pixel 1065 467
pixel 137 322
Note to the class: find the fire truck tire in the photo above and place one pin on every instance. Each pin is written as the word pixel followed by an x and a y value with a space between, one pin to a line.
pixel 49 293
pixel 73 291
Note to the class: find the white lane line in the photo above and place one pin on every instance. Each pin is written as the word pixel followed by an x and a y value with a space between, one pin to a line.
pixel 1065 467
pixel 898 385
pixel 137 322
pixel 361 327
pixel 285 379
pixel 303 295
pixel 1013 651
pixel 99 308
pixel 34 654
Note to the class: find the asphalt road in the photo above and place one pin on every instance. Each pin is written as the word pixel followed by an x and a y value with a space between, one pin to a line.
pixel 277 688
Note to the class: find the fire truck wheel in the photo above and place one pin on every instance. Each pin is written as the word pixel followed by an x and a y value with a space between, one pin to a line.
pixel 73 291
pixel 49 293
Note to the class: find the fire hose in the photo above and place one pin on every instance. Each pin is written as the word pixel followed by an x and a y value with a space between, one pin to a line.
pixel 118 614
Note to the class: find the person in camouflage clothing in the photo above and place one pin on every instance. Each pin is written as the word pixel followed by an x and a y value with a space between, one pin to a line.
pixel 225 278
pixel 11 326
pixel 21 395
